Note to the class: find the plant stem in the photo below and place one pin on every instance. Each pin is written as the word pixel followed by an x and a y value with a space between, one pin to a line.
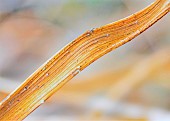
pixel 76 56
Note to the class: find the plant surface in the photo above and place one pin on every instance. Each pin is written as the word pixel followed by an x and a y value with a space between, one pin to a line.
pixel 76 56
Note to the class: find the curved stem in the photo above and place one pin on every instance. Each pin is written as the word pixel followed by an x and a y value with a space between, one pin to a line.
pixel 76 56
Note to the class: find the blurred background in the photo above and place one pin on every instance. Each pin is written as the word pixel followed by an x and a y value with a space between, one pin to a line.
pixel 131 82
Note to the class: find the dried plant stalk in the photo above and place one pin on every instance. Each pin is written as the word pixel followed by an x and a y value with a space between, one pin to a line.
pixel 75 57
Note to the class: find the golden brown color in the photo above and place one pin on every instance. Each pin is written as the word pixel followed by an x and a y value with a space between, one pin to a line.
pixel 75 57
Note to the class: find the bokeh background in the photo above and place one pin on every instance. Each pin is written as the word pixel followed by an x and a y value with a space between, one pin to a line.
pixel 131 82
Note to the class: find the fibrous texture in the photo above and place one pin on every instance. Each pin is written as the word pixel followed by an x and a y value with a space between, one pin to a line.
pixel 76 56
